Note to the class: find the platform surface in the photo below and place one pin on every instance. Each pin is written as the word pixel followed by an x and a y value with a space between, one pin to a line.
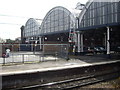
pixel 54 65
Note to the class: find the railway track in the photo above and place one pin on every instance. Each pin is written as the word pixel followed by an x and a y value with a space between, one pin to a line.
pixel 77 82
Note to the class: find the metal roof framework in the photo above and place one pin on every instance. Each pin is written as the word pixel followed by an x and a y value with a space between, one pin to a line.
pixel 87 9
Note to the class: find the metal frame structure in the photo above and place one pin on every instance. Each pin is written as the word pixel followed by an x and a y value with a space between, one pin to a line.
pixel 99 14
pixel 60 20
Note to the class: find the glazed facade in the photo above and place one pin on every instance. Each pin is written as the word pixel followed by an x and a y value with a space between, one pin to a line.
pixel 32 28
pixel 62 20
pixel 57 20
pixel 100 14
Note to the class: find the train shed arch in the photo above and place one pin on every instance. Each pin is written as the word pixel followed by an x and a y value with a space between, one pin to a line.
pixel 99 24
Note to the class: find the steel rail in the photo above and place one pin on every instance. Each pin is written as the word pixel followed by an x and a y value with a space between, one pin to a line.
pixel 51 84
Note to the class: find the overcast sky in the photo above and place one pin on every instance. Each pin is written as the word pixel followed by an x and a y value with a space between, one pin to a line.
pixel 14 13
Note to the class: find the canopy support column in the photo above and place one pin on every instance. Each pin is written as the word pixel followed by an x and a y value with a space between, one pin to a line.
pixel 81 42
pixel 40 41
pixel 108 42
pixel 78 42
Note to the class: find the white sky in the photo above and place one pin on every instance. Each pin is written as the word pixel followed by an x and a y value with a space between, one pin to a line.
pixel 19 11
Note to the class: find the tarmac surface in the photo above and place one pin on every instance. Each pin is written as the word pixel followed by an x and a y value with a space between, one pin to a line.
pixel 75 61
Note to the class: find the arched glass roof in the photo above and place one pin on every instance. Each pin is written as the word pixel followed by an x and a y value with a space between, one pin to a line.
pixel 58 20
pixel 32 27
pixel 99 14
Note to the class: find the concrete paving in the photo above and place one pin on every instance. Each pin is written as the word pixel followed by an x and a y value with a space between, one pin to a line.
pixel 77 61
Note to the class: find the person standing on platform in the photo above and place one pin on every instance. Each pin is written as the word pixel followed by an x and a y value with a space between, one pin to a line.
pixel 7 52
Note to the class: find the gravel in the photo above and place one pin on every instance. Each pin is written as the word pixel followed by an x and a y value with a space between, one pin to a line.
pixel 112 84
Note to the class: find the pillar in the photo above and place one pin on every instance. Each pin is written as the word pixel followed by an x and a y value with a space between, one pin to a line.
pixel 22 34
pixel 108 41
pixel 81 42
pixel 105 41
pixel 78 42
pixel 40 41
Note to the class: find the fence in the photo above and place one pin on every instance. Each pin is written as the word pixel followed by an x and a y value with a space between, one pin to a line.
pixel 32 53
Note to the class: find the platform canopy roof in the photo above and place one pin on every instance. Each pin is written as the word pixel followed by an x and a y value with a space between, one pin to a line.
pixel 59 19
pixel 99 13
pixel 95 14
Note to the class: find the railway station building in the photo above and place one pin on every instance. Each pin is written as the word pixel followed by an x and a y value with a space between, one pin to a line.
pixel 97 24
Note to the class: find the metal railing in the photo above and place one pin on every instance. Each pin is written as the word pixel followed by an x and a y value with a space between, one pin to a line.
pixel 32 53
